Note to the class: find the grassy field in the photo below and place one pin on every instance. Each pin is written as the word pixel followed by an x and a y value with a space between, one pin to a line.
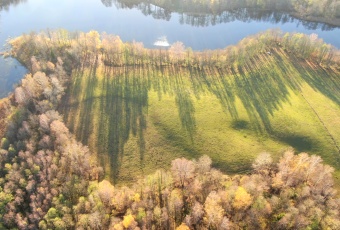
pixel 139 119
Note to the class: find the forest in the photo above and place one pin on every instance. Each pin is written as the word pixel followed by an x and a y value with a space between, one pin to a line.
pixel 51 180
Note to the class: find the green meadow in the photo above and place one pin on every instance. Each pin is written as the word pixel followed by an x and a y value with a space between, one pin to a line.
pixel 139 118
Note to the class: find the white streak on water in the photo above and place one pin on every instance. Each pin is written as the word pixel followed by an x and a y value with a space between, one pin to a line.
pixel 161 41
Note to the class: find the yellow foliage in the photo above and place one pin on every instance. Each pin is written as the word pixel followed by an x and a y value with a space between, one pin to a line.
pixel 94 38
pixel 106 191
pixel 183 226
pixel 242 198
pixel 105 185
pixel 118 227
pixel 263 223
pixel 136 197
pixel 8 167
pixel 214 211
pixel 128 221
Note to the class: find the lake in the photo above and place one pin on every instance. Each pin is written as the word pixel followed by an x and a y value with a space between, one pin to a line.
pixel 142 22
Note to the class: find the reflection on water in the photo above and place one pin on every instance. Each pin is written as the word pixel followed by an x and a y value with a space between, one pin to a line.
pixel 11 71
pixel 207 13
pixel 5 4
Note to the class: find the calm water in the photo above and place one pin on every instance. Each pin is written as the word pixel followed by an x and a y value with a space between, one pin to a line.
pixel 135 24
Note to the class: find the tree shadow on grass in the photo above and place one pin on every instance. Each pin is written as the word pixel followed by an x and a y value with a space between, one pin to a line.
pixel 298 142
pixel 262 91
pixel 87 112
pixel 123 113
pixel 240 124
pixel 321 79
pixel 184 103
pixel 262 84
pixel 119 104
pixel 81 125
pixel 219 84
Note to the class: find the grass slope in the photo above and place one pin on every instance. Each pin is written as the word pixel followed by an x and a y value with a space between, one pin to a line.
pixel 139 119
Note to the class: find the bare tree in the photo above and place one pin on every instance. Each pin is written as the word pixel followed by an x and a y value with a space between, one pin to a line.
pixel 182 171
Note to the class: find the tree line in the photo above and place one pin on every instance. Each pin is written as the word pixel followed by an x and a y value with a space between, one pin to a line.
pixel 295 193
pixel 81 49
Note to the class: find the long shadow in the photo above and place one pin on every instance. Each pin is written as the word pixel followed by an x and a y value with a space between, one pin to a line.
pixel 71 101
pixel 123 105
pixel 198 86
pixel 219 84
pixel 178 82
pixel 263 83
pixel 264 87
pixel 185 105
pixel 85 127
pixel 326 81
pixel 69 104
pixel 123 112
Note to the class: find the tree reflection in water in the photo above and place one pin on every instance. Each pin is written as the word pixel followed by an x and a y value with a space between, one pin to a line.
pixel 206 13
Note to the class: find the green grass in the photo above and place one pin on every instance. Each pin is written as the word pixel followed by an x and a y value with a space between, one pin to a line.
pixel 139 119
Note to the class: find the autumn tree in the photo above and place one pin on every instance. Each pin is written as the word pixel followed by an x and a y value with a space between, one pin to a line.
pixel 213 211
pixel 177 52
pixel 183 171
pixel 113 48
